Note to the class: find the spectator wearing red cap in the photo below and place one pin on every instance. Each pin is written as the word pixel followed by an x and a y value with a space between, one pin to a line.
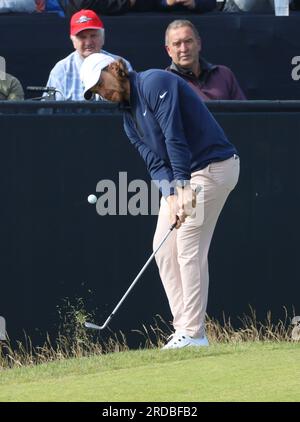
pixel 87 36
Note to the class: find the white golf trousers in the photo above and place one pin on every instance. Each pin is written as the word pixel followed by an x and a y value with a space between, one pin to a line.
pixel 182 259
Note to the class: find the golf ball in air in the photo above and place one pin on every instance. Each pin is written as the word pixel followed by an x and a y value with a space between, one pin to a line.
pixel 92 199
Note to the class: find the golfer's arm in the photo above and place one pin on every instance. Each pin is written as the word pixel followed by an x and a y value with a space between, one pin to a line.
pixel 160 173
pixel 161 92
pixel 168 115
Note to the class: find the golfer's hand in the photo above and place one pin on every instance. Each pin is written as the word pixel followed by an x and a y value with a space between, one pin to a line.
pixel 173 218
pixel 186 201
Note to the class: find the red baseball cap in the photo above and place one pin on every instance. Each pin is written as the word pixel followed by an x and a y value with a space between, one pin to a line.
pixel 85 19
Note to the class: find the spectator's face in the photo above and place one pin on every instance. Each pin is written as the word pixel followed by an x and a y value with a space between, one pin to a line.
pixel 87 42
pixel 183 47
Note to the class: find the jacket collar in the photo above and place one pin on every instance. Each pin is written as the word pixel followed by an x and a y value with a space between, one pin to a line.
pixel 205 67
pixel 133 90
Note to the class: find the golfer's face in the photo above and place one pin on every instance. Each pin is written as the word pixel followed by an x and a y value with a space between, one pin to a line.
pixel 183 47
pixel 109 87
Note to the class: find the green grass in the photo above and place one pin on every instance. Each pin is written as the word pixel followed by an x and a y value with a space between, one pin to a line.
pixel 253 371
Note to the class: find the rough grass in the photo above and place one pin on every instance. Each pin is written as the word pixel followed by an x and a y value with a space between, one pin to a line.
pixel 243 371
pixel 259 361
pixel 76 342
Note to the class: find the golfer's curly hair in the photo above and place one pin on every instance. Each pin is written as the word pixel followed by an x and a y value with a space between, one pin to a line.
pixel 122 69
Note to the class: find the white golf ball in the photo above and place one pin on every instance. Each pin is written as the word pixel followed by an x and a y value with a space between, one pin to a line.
pixel 92 199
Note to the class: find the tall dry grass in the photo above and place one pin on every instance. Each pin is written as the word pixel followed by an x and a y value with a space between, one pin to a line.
pixel 74 341
pixel 250 329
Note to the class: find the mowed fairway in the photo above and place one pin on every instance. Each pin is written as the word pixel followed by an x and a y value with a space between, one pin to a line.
pixel 223 372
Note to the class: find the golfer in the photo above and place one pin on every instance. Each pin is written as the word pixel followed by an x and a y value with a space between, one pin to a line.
pixel 183 147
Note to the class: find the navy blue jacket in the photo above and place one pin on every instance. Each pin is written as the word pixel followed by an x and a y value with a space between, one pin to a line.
pixel 171 127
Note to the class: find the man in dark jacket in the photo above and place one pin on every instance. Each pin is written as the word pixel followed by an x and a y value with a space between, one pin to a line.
pixel 181 153
pixel 211 82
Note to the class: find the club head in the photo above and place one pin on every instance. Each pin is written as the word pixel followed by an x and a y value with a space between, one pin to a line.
pixel 92 326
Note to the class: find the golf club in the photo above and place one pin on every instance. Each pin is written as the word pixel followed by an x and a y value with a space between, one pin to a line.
pixel 101 327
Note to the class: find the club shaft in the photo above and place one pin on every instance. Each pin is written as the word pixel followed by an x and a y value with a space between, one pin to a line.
pixel 171 228
pixel 138 276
